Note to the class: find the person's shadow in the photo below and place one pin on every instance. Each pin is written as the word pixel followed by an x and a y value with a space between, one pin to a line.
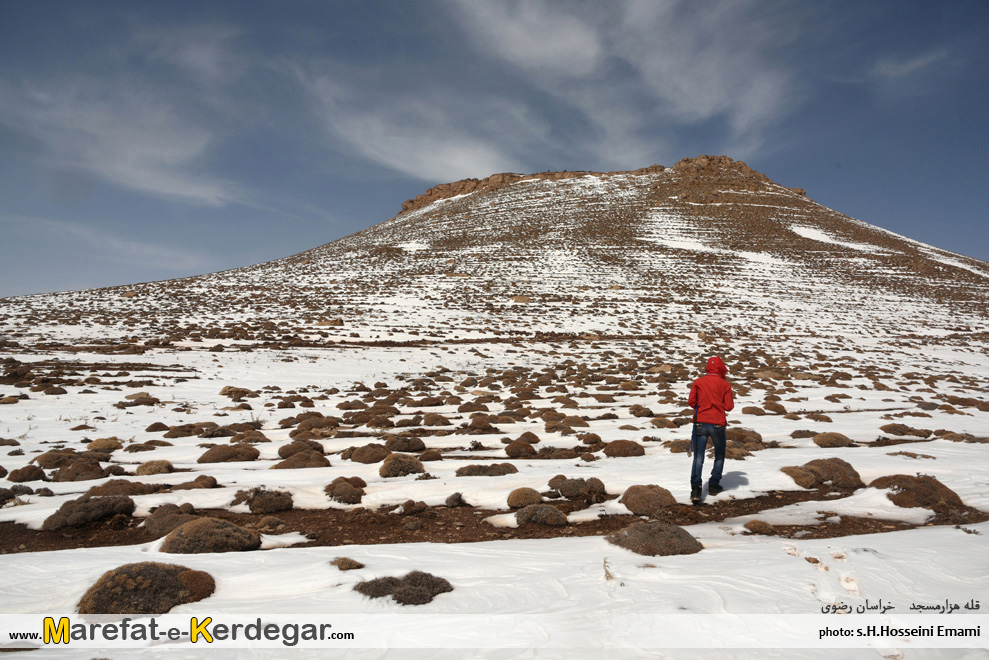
pixel 734 479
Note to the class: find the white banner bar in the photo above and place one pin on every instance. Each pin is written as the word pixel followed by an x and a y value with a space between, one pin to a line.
pixel 591 629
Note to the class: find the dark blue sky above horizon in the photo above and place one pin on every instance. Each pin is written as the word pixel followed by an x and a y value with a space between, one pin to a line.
pixel 142 141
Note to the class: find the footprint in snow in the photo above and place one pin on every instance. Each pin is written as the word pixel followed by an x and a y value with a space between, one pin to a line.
pixel 850 585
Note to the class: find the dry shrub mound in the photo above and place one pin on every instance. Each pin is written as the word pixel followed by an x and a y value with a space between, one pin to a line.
pixel 592 489
pixel 297 446
pixel 146 588
pixel 202 481
pixel 346 490
pixel 655 538
pixel 105 444
pixel 619 448
pixel 920 491
pixel 86 509
pixel 303 459
pixel 903 429
pixel 154 467
pixel 523 497
pixel 831 439
pixel 210 535
pixel 367 454
pixel 80 470
pixel 262 501
pixel 27 473
pixel 529 437
pixel 415 588
pixel 760 527
pixel 400 465
pixel 124 487
pixel 519 449
pixel 492 470
pixel 541 514
pixel 431 455
pixel 823 471
pixel 405 443
pixel 229 453
pixel 649 500
pixel 167 517
pixel 51 460
pixel 346 564
pixel 803 433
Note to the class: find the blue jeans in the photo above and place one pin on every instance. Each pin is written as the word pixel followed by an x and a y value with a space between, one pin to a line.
pixel 698 444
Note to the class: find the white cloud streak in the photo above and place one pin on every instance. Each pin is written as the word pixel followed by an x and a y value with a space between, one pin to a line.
pixel 102 244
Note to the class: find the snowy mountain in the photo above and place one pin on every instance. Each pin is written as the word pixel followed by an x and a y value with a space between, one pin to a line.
pixel 551 323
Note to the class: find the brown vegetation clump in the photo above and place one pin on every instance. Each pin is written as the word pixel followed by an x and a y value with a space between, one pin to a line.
pixel 346 490
pixel 431 455
pixel 541 514
pixel 303 459
pixel 519 449
pixel 261 501
pixel 824 471
pixel 27 473
pixel 400 465
pixel 655 539
pixel 202 481
pixel 124 487
pixel 154 467
pixel 903 429
pixel 167 517
pixel 831 439
pixel 491 470
pixel 367 454
pixel 80 470
pixel 146 588
pixel 346 564
pixel 618 448
pixel 803 433
pixel 229 453
pixel 523 497
pixel 760 527
pixel 86 509
pixel 405 443
pixel 296 446
pixel 210 535
pixel 415 588
pixel 920 491
pixel 648 500
pixel 592 489
pixel 52 460
pixel 105 444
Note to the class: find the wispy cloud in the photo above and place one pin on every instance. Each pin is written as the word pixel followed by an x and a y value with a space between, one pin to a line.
pixel 893 68
pixel 652 66
pixel 106 245
pixel 433 134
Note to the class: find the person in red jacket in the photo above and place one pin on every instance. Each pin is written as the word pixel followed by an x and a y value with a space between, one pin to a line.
pixel 710 397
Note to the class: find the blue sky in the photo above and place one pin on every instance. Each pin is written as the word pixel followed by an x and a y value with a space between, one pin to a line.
pixel 148 140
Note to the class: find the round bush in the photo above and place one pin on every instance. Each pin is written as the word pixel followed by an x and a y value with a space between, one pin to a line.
pixel 523 497
pixel 655 539
pixel 210 535
pixel 146 588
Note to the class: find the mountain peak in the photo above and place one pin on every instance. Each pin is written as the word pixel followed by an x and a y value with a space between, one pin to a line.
pixel 703 165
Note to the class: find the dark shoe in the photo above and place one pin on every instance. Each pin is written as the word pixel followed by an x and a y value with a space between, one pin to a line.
pixel 695 495
pixel 714 489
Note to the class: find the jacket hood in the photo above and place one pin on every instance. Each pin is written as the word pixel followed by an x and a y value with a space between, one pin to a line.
pixel 717 367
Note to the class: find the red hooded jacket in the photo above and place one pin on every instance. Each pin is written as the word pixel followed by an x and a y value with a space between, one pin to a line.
pixel 710 394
